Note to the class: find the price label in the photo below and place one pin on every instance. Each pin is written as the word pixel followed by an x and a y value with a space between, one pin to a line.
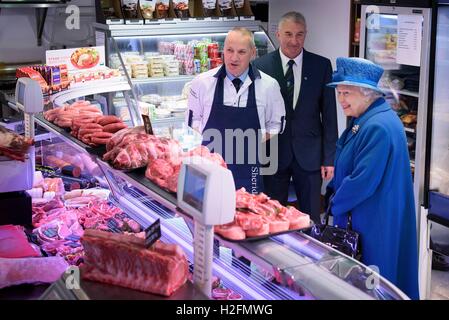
pixel 147 124
pixel 152 233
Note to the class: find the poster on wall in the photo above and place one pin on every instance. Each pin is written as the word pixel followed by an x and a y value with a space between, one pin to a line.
pixel 409 40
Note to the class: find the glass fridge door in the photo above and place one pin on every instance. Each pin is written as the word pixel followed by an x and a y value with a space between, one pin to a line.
pixel 400 81
pixel 439 148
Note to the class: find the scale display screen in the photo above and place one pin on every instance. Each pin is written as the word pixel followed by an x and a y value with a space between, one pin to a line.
pixel 21 95
pixel 194 186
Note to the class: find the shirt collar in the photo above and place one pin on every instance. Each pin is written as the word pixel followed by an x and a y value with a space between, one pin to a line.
pixel 242 77
pixel 252 72
pixel 285 59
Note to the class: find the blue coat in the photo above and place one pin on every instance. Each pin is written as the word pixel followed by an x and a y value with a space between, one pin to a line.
pixel 373 181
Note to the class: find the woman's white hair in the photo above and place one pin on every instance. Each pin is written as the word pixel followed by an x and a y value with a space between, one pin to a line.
pixel 370 93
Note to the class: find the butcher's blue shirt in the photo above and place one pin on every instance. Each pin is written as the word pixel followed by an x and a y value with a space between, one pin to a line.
pixel 373 181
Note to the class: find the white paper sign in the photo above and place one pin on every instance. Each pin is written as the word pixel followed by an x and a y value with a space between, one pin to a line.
pixel 100 38
pixel 409 40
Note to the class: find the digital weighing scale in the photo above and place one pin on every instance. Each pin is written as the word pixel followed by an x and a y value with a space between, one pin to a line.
pixel 206 192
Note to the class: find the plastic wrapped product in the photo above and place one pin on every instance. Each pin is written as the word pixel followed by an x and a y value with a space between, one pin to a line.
pixel 225 7
pixel 209 7
pixel 181 8
pixel 147 8
pixel 129 8
pixel 162 7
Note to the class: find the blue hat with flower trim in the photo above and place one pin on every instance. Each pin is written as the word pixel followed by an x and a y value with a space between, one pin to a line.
pixel 357 72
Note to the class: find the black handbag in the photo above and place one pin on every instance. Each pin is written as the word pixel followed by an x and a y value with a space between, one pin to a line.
pixel 344 240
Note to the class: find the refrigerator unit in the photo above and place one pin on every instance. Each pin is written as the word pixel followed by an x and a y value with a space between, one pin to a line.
pixel 436 191
pixel 397 36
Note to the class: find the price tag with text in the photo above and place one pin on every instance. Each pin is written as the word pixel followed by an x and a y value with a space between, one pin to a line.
pixel 152 233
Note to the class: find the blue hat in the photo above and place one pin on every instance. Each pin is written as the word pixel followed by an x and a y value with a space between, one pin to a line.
pixel 357 72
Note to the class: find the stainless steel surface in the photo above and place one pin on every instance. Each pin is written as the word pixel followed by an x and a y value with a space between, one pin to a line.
pixel 91 290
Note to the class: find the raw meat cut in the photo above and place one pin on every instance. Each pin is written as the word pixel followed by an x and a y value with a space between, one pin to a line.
pixel 164 171
pixel 31 270
pixel 124 261
pixel 14 243
pixel 231 231
pixel 258 215
pixel 131 149
pixel 13 145
pixel 262 231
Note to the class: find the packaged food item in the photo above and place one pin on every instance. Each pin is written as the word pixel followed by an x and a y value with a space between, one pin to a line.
pixel 147 8
pixel 129 8
pixel 139 69
pixel 152 98
pixel 109 8
pixel 181 8
pixel 162 7
pixel 209 7
pixel 225 7
pixel 213 50
pixel 239 4
pixel 357 30
pixel 215 62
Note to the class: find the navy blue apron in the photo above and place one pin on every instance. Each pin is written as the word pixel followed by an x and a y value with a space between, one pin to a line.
pixel 223 117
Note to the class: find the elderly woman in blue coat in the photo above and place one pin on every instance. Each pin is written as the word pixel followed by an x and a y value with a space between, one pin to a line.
pixel 372 179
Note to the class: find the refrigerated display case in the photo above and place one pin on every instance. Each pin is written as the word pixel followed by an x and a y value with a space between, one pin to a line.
pixel 397 37
pixel 436 204
pixel 289 266
pixel 439 148
pixel 159 62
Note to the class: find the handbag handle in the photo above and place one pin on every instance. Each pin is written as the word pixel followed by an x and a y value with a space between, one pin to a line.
pixel 328 212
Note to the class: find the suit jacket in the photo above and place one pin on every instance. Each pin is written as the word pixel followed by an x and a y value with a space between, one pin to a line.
pixel 373 181
pixel 310 132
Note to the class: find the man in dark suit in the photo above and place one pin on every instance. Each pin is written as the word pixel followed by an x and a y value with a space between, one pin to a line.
pixel 307 145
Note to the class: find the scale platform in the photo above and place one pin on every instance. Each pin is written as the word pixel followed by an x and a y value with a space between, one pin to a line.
pixel 91 290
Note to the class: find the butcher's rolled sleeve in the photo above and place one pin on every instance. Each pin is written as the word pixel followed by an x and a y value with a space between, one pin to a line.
pixel 275 109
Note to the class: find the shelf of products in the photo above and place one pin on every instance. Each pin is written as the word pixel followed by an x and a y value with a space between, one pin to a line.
pixel 160 62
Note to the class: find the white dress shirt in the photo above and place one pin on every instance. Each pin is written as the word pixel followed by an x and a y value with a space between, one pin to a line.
pixel 270 104
pixel 297 73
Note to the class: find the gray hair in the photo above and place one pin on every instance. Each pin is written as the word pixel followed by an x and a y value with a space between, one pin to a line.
pixel 370 93
pixel 293 16
pixel 246 33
